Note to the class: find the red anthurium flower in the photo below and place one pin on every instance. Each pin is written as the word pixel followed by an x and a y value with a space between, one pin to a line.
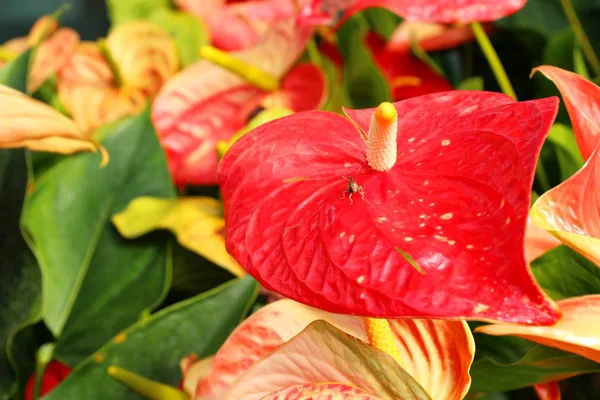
pixel 444 11
pixel 235 25
pixel 437 354
pixel 55 373
pixel 408 76
pixel 426 217
pixel 206 103
pixel 548 391
pixel 571 211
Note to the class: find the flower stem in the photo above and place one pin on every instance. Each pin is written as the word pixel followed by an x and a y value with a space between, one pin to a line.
pixel 147 388
pixel 584 41
pixel 259 78
pixel 493 60
pixel 381 337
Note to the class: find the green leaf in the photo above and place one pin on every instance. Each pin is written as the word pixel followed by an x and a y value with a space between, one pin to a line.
pixel 96 283
pixel 187 31
pixel 338 95
pixel 121 11
pixel 20 282
pixel 564 273
pixel 14 74
pixel 153 347
pixel 540 364
pixel 473 83
pixel 382 21
pixel 365 84
pixel 545 17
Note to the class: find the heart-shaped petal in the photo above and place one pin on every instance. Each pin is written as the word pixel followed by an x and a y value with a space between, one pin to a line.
pixel 87 89
pixel 321 391
pixel 436 353
pixel 444 11
pixel 460 218
pixel 577 332
pixel 144 53
pixel 196 221
pixel 238 25
pixel 206 103
pixel 582 99
pixel 51 55
pixel 322 353
pixel 34 125
pixel 571 211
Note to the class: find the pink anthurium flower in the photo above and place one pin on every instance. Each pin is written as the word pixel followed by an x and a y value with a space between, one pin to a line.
pixel 437 354
pixel 571 211
pixel 238 24
pixel 408 76
pixel 444 11
pixel 425 216
pixel 206 103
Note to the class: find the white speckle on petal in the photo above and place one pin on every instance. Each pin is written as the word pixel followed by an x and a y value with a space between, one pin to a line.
pixel 432 204
pixel 360 279
pixel 470 247
pixel 408 239
pixel 410 140
pixel 362 295
pixel 342 234
pixel 440 238
pixel 507 220
pixel 351 238
pixel 502 203
pixel 451 242
pixel 381 219
pixel 425 183
pixel 446 216
pixel 422 225
pixel 445 142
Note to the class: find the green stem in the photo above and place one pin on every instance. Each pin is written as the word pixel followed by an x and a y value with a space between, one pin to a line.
pixel 493 60
pixel 584 41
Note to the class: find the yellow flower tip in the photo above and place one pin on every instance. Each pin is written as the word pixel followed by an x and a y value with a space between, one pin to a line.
pixel 113 371
pixel 386 113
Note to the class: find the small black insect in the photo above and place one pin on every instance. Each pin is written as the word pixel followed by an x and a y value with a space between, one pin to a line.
pixel 352 188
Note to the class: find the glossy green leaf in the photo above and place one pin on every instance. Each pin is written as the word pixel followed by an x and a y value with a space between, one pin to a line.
pixel 20 282
pixel 568 156
pixel 538 365
pixel 121 11
pixel 153 347
pixel 188 32
pixel 365 84
pixel 96 283
pixel 542 16
pixel 563 273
